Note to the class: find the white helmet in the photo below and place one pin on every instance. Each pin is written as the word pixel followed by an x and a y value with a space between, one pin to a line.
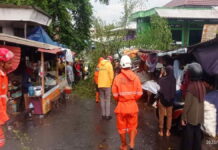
pixel 125 62
pixel 116 56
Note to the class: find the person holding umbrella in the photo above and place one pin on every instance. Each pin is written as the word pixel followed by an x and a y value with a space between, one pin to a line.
pixel 5 65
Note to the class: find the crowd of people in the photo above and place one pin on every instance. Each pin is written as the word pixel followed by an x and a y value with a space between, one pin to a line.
pixel 75 71
pixel 156 80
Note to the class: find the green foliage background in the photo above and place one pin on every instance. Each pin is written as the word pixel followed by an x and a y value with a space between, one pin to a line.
pixel 71 19
pixel 86 88
pixel 156 37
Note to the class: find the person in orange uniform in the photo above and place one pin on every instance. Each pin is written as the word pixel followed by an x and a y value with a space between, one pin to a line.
pixel 5 64
pixel 127 90
pixel 96 79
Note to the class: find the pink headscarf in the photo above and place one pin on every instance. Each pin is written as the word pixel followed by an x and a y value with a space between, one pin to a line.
pixel 5 54
pixel 110 58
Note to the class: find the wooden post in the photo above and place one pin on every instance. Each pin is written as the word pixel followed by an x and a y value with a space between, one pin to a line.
pixel 25 30
pixel 57 73
pixel 43 72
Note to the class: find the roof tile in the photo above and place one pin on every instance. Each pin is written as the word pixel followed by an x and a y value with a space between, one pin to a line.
pixel 175 3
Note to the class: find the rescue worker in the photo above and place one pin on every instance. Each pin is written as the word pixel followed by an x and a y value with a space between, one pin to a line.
pixel 5 65
pixel 96 79
pixel 127 90
pixel 105 79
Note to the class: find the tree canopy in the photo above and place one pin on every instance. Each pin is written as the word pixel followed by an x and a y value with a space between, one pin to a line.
pixel 104 1
pixel 71 19
pixel 158 36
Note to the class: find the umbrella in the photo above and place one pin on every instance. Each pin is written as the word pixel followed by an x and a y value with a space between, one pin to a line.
pixel 16 59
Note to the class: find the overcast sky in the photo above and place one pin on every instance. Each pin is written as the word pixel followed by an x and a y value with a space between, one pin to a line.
pixel 112 13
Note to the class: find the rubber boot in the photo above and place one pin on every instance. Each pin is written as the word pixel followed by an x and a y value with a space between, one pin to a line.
pixel 97 97
pixel 123 142
pixel 132 135
pixel 2 137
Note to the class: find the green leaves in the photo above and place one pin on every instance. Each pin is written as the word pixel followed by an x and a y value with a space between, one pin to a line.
pixel 158 36
pixel 104 1
pixel 70 19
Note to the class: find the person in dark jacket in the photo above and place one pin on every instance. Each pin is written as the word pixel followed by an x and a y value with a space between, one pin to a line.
pixel 193 112
pixel 167 94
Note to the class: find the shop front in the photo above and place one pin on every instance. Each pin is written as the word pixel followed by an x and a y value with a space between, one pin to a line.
pixel 35 81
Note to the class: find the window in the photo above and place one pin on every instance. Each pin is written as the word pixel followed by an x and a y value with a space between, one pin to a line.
pixel 177 35
pixel 195 36
pixel 173 26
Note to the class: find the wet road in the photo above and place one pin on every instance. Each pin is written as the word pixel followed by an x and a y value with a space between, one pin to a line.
pixel 78 126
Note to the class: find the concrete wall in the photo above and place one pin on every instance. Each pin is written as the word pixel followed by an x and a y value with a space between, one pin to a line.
pixel 22 14
pixel 7 28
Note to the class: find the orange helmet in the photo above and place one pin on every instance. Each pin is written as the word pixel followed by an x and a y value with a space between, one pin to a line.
pixel 100 59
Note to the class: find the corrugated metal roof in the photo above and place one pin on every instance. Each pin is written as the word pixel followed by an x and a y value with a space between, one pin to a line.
pixel 188 13
pixel 141 14
pixel 24 13
pixel 26 42
pixel 129 26
pixel 24 7
pixel 175 3
pixel 202 44
pixel 183 13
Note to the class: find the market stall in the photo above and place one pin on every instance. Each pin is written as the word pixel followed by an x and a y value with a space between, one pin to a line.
pixel 50 89
pixel 206 53
pixel 35 79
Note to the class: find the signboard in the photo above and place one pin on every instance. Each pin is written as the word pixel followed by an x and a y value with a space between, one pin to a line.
pixel 46 101
pixel 209 32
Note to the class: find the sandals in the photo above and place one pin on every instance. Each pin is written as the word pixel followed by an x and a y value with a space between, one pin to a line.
pixel 160 133
pixel 168 134
pixel 123 147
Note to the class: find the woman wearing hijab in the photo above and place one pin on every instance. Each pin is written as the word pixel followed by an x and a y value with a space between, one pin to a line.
pixel 193 112
pixel 167 93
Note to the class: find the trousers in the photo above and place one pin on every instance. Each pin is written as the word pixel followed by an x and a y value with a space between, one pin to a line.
pixel 105 99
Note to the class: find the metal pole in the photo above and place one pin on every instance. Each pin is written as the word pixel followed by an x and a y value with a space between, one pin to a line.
pixel 43 72
pixel 57 71
pixel 25 30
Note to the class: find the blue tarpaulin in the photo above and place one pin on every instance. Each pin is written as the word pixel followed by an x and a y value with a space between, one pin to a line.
pixel 38 34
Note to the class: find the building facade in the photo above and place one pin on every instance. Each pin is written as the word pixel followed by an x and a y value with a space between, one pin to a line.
pixel 19 20
pixel 186 19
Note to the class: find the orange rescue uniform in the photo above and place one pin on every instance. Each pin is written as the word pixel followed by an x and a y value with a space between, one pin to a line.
pixel 96 79
pixel 126 90
pixel 3 97
pixel 97 70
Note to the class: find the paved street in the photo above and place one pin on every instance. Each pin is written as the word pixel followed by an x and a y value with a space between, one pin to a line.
pixel 78 126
